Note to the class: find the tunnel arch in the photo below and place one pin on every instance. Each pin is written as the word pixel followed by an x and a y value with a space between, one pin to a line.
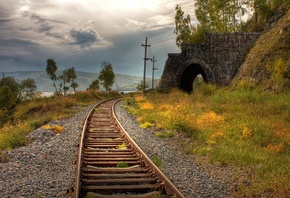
pixel 189 70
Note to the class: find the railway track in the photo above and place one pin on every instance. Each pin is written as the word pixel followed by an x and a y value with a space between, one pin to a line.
pixel 110 164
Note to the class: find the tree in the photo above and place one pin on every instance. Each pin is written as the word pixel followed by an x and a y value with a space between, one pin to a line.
pixel 67 76
pixel 183 27
pixel 51 69
pixel 213 16
pixel 27 89
pixel 264 9
pixel 12 93
pixel 139 87
pixel 94 85
pixel 220 15
pixel 107 76
pixel 74 85
pixel 72 75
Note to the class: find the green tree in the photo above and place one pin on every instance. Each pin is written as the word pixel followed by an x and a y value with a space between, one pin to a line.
pixel 74 85
pixel 27 89
pixel 107 76
pixel 72 75
pixel 183 27
pixel 51 69
pixel 95 85
pixel 68 76
pixel 261 8
pixel 12 93
pixel 264 9
pixel 139 87
pixel 9 90
pixel 220 15
pixel 213 16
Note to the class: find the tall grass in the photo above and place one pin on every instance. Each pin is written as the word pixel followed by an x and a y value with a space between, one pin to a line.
pixel 33 114
pixel 244 128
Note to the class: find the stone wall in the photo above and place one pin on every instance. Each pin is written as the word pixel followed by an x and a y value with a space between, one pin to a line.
pixel 220 57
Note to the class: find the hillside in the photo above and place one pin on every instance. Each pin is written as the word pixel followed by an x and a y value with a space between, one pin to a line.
pixel 268 62
pixel 44 83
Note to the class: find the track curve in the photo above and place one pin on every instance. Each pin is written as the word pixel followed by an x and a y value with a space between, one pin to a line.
pixel 110 163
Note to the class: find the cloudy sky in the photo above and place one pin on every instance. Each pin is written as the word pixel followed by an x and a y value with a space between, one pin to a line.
pixel 84 33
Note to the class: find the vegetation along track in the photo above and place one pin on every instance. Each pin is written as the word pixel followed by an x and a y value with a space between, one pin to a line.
pixel 110 163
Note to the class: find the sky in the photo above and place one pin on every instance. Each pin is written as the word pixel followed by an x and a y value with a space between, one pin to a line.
pixel 85 33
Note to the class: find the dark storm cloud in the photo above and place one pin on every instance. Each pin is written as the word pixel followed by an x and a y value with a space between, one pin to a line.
pixel 45 26
pixel 85 37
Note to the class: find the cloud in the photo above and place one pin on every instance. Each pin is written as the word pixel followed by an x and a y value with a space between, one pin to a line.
pixel 17 42
pixel 85 37
pixel 136 24
pixel 150 24
pixel 6 20
pixel 42 25
pixel 85 33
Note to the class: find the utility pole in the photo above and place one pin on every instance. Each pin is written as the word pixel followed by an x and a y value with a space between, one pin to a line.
pixel 145 59
pixel 153 68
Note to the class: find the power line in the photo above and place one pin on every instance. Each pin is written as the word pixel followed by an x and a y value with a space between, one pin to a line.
pixel 152 35
pixel 161 38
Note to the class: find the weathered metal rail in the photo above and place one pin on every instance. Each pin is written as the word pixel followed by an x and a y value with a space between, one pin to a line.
pixel 110 164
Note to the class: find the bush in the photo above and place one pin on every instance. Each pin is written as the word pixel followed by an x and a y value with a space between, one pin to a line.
pixel 207 89
pixel 146 125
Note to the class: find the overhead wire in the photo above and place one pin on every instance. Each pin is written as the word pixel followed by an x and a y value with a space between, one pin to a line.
pixel 165 30
pixel 161 36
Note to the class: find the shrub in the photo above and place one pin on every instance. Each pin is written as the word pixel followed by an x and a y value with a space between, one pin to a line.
pixel 54 128
pixel 244 85
pixel 146 125
pixel 207 89
pixel 157 161
pixel 167 134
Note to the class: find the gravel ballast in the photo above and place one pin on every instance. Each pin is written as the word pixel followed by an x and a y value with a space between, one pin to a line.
pixel 46 166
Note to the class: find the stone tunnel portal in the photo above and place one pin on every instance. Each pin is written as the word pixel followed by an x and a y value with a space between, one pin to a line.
pixel 189 75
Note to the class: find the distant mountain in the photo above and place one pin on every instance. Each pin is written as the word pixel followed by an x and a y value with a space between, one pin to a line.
pixel 44 83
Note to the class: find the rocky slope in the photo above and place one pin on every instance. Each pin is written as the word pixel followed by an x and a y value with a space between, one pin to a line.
pixel 268 62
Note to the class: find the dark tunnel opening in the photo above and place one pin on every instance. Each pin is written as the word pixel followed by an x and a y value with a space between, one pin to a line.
pixel 189 75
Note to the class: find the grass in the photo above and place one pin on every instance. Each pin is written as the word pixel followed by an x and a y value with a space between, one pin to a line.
pixel 165 134
pixel 122 146
pixel 245 128
pixel 54 128
pixel 122 165
pixel 36 113
pixel 146 125
pixel 157 161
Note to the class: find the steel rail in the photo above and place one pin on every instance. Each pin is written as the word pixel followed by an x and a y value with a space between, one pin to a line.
pixel 100 137
pixel 77 185
pixel 167 183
